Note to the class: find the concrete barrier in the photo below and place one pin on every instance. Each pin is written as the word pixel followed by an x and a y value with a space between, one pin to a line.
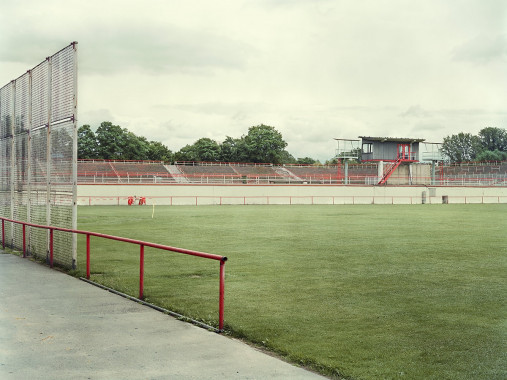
pixel 191 194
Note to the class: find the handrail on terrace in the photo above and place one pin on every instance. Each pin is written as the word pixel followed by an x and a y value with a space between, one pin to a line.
pixel 141 244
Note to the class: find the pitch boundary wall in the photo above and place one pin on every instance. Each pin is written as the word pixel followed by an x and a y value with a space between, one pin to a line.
pixel 185 194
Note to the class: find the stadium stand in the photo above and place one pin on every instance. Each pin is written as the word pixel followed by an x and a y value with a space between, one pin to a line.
pixel 314 174
pixel 358 173
pixel 123 172
pixel 208 173
pixel 259 173
pixel 90 171
pixel 484 174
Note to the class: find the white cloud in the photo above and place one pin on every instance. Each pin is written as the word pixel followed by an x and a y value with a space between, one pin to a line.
pixel 315 70
pixel 483 49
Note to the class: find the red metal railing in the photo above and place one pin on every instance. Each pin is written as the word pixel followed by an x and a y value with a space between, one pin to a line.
pixel 141 244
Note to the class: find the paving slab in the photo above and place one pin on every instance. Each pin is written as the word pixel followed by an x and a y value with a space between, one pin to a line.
pixel 54 326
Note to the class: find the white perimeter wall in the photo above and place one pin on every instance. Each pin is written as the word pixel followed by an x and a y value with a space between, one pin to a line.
pixel 184 194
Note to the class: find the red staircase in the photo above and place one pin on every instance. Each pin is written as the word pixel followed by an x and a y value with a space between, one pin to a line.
pixel 389 170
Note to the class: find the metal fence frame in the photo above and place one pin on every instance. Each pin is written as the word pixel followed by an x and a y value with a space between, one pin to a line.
pixel 38 155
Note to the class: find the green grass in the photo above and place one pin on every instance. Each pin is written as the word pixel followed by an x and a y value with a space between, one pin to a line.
pixel 366 292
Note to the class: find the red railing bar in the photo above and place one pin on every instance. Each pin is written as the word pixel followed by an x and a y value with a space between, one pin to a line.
pixel 127 240
pixel 142 244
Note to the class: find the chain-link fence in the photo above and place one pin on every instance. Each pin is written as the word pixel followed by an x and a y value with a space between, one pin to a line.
pixel 38 155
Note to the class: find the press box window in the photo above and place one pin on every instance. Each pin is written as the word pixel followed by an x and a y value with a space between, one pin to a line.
pixel 367 148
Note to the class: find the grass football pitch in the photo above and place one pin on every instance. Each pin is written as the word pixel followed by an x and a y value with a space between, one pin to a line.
pixel 359 291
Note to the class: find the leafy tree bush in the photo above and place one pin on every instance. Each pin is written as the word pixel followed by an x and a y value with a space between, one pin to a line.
pixel 264 144
pixel 87 147
pixel 489 145
pixel 488 155
pixel 493 139
pixel 461 147
pixel 204 149
pixel 111 142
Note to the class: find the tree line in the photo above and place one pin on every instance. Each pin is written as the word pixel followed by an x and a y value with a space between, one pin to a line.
pixel 262 144
pixel 490 144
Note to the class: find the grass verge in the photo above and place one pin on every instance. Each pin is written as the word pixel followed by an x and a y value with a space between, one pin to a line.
pixel 368 292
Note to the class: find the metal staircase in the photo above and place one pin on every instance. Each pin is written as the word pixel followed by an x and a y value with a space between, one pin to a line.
pixel 389 170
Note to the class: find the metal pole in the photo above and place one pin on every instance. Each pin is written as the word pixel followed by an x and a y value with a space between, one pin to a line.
pixel 3 233
pixel 48 153
pixel 433 165
pixel 222 293
pixel 346 171
pixel 24 240
pixel 88 256
pixel 29 158
pixel 13 156
pixel 74 161
pixel 141 272
pixel 51 247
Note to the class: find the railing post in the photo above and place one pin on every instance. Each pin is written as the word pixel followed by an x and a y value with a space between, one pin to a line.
pixel 24 240
pixel 88 256
pixel 222 291
pixel 51 248
pixel 141 272
pixel 3 233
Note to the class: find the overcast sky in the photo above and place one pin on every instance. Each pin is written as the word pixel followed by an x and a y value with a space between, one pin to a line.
pixel 176 71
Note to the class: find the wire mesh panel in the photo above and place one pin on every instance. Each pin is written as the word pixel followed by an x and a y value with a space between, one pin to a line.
pixel 60 196
pixel 38 155
pixel 6 139
pixel 20 165
pixel 38 192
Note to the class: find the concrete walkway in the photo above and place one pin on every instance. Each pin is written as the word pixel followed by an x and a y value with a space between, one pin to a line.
pixel 54 326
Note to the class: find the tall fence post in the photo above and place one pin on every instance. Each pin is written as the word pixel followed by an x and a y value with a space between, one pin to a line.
pixel 222 292
pixel 141 271
pixel 3 234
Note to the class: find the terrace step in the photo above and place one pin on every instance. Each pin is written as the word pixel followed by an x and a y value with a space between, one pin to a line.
pixel 179 177
pixel 286 173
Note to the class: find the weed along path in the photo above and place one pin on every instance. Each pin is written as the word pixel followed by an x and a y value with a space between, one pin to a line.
pixel 54 326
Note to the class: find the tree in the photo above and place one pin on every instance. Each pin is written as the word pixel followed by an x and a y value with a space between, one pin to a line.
pixel 264 144
pixel 233 150
pixel 159 152
pixel 86 143
pixel 207 149
pixel 287 158
pixel 134 147
pixel 204 149
pixel 111 141
pixel 488 155
pixel 461 147
pixel 493 139
pixel 306 161
pixel 187 153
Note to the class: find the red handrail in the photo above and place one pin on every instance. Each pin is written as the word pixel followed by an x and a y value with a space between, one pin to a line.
pixel 141 244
